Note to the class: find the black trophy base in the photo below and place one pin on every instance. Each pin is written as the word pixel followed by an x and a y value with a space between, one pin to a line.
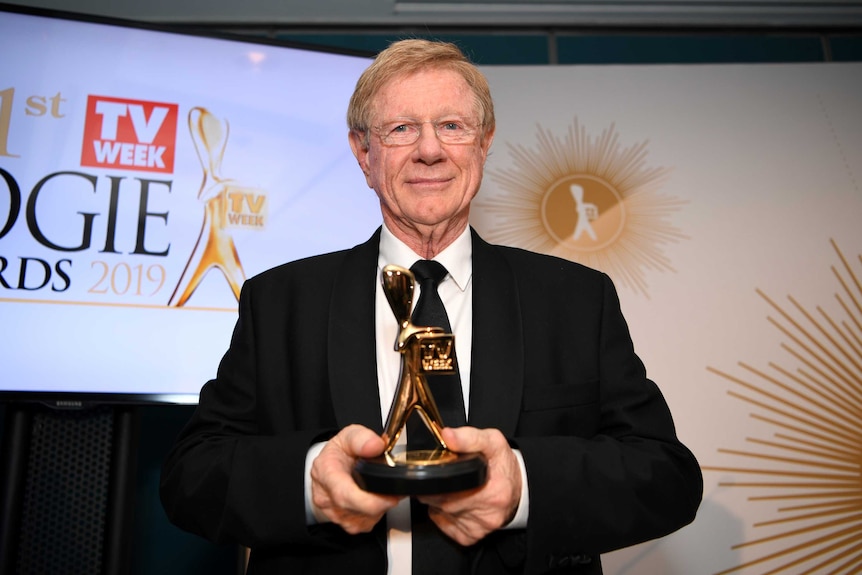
pixel 422 472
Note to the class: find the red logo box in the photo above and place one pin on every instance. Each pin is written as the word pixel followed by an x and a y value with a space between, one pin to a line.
pixel 129 134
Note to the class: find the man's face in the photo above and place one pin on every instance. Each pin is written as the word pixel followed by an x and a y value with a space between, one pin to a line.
pixel 428 182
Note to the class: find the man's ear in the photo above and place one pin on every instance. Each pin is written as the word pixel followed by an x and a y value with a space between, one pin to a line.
pixel 487 140
pixel 360 151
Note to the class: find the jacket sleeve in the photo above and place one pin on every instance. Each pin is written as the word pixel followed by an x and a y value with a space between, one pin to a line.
pixel 236 473
pixel 604 465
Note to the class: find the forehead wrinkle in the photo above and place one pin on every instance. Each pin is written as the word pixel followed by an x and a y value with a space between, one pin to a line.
pixel 426 101
pixel 413 120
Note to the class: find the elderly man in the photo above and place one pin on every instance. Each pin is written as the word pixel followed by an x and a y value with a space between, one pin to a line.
pixel 581 449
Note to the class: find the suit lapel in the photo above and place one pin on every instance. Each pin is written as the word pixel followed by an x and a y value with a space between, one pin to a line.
pixel 497 364
pixel 352 350
pixel 497 371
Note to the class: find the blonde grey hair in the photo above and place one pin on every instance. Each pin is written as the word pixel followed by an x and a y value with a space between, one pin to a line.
pixel 406 57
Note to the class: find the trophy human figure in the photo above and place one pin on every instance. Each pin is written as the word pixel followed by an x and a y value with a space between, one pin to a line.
pixel 215 246
pixel 414 343
pixel 424 350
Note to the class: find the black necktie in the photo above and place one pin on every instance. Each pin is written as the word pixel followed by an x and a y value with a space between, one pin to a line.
pixel 446 389
pixel 433 552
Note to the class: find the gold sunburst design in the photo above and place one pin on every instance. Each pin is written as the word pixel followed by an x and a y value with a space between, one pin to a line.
pixel 811 467
pixel 586 199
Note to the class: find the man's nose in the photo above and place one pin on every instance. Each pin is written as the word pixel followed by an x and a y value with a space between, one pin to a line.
pixel 429 144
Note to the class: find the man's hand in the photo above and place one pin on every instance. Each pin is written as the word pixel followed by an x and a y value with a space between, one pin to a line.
pixel 333 490
pixel 468 516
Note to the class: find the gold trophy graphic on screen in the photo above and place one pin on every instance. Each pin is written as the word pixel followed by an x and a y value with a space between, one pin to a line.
pixel 224 202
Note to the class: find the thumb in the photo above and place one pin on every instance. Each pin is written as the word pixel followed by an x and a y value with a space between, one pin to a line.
pixel 372 447
pixel 362 442
pixel 463 439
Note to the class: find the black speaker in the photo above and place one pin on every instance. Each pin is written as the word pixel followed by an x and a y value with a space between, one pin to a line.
pixel 67 489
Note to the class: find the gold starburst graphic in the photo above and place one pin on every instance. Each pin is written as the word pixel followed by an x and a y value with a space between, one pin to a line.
pixel 811 467
pixel 585 199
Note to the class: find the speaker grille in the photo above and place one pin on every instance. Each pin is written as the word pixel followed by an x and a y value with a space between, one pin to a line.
pixel 64 509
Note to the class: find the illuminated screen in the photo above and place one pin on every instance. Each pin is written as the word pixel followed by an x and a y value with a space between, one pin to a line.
pixel 144 175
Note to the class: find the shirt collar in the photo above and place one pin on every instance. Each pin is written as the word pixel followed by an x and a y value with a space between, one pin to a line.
pixel 457 258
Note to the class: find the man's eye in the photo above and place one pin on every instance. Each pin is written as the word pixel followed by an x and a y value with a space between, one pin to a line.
pixel 451 126
pixel 400 129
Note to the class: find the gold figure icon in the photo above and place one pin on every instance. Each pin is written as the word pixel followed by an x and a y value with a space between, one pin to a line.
pixel 215 247
pixel 586 212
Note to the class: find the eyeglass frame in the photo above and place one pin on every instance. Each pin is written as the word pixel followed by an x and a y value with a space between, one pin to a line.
pixel 471 130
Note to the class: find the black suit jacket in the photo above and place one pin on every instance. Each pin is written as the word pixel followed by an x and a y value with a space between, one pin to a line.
pixel 553 368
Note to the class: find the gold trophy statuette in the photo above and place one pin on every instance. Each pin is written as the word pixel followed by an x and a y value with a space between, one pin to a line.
pixel 423 350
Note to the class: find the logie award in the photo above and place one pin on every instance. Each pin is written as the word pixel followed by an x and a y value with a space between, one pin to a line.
pixel 424 350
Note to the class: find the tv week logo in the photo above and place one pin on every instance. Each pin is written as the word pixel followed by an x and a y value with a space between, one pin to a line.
pixel 129 134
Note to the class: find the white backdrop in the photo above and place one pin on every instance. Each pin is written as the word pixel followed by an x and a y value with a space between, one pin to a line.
pixel 711 183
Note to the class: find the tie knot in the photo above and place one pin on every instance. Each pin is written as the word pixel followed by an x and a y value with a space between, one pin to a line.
pixel 425 270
